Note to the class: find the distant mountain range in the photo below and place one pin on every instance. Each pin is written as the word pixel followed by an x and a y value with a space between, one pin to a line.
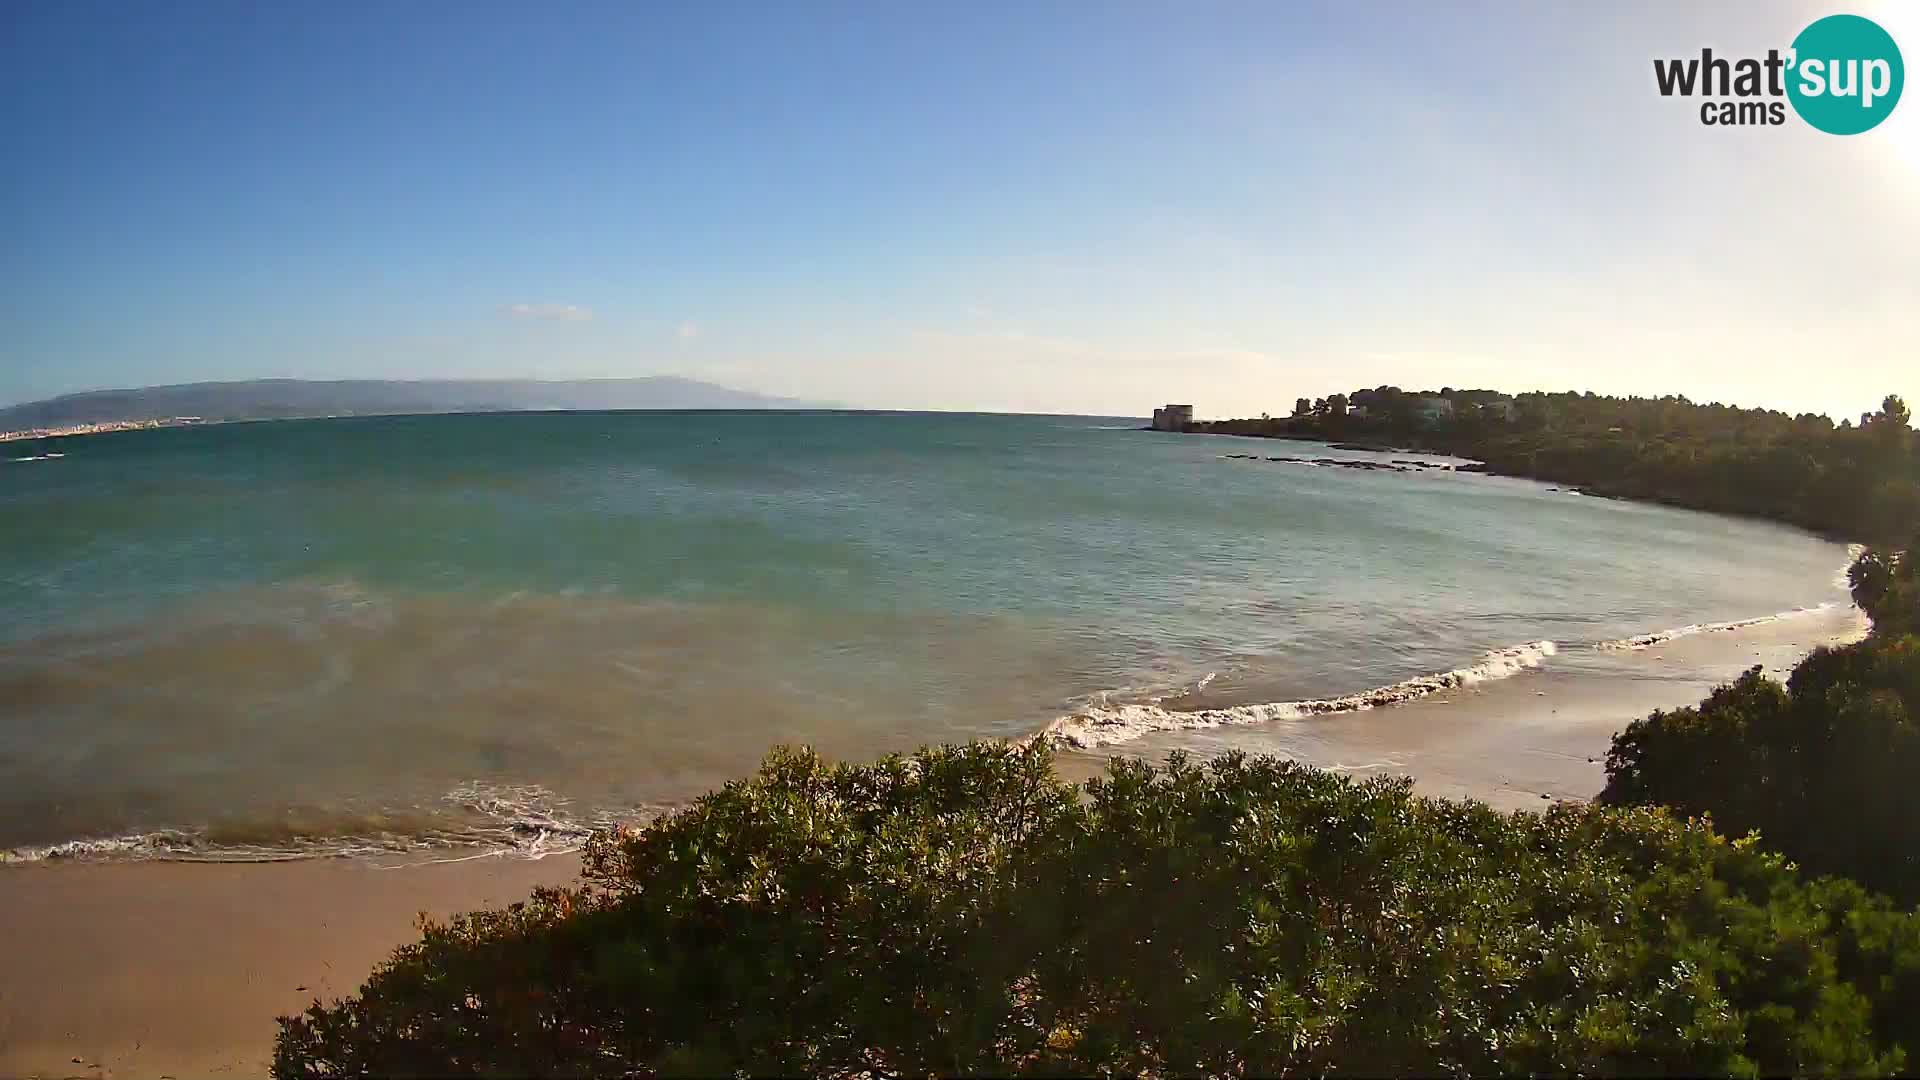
pixel 263 399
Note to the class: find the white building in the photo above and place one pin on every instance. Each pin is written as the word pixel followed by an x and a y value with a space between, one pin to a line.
pixel 1172 417
pixel 1432 408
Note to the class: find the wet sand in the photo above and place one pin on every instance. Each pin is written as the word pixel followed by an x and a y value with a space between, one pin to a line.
pixel 178 969
pixel 1518 743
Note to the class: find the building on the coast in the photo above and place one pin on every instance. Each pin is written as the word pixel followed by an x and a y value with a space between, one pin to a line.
pixel 1172 417
pixel 1432 408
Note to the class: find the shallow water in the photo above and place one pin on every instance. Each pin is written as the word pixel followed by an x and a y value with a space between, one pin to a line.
pixel 261 640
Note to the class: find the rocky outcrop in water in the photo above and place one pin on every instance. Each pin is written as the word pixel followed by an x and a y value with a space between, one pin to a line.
pixel 1397 465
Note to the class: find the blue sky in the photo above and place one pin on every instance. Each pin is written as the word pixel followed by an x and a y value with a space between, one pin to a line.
pixel 1038 207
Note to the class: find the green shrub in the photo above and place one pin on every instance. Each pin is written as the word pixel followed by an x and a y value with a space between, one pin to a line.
pixel 1886 585
pixel 1826 768
pixel 962 910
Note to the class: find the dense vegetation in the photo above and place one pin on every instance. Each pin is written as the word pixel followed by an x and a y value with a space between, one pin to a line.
pixel 1827 767
pixel 964 911
pixel 1860 481
pixel 1886 585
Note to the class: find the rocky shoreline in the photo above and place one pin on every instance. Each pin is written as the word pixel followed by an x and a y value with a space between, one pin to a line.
pixel 1396 465
pixel 1403 465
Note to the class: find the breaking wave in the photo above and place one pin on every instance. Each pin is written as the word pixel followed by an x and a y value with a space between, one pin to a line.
pixel 520 821
pixel 1647 641
pixel 1104 722
pixel 1844 579
pixel 1107 724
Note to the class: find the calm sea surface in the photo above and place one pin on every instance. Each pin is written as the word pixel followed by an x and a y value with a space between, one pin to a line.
pixel 338 635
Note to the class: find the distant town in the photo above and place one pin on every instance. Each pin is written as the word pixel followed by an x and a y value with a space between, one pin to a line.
pixel 96 411
pixel 96 429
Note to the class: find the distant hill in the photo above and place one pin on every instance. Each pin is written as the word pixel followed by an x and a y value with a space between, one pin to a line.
pixel 278 398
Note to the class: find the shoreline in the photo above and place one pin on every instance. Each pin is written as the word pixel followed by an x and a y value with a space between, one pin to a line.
pixel 180 968
pixel 1483 467
pixel 1519 743
pixel 1104 729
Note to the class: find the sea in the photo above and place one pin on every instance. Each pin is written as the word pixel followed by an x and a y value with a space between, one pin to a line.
pixel 496 632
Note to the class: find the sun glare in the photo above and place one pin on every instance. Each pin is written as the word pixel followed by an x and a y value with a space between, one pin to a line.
pixel 1900 132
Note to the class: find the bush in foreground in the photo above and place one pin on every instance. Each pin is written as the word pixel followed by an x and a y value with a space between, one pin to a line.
pixel 1826 768
pixel 964 911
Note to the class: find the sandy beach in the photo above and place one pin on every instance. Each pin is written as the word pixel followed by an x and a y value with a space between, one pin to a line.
pixel 178 969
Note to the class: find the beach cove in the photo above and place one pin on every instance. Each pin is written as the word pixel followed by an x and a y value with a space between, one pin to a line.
pixel 696 609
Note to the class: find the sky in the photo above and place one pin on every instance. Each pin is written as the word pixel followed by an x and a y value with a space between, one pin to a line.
pixel 1066 206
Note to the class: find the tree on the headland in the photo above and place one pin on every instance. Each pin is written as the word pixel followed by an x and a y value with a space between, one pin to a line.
pixel 1826 768
pixel 1302 407
pixel 962 911
pixel 1891 427
pixel 1862 482
pixel 1886 585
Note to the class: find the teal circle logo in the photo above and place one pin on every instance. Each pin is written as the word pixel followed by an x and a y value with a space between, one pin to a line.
pixel 1845 74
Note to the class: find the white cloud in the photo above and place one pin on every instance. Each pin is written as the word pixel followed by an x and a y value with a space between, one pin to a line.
pixel 689 330
pixel 555 312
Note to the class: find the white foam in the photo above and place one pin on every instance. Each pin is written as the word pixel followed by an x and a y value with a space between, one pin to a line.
pixel 507 820
pixel 172 845
pixel 1841 580
pixel 1661 637
pixel 533 822
pixel 1106 724
pixel 138 845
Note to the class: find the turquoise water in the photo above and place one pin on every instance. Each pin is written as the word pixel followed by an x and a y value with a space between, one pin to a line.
pixel 341 634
